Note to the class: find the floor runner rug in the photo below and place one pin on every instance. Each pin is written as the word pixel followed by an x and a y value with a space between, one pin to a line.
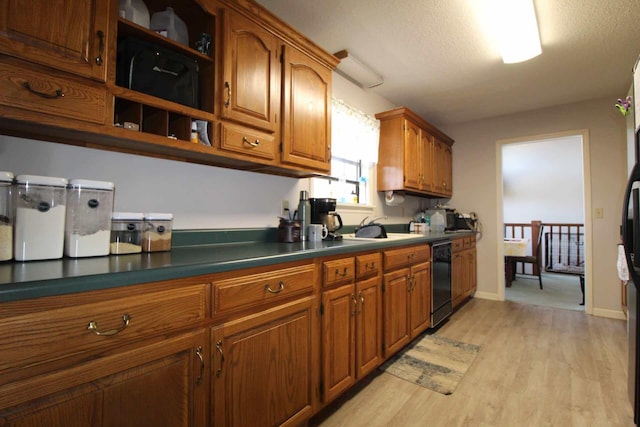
pixel 433 362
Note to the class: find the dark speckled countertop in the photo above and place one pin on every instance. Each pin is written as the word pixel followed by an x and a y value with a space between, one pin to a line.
pixel 193 253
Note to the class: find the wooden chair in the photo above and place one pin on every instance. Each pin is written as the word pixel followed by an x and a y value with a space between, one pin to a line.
pixel 535 258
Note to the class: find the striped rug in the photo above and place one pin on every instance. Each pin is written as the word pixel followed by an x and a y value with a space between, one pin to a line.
pixel 433 362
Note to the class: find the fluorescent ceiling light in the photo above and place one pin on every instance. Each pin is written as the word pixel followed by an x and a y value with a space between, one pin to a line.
pixel 357 71
pixel 516 28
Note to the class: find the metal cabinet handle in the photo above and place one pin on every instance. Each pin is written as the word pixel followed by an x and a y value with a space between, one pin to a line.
pixel 219 348
pixel 355 304
pixel 267 288
pixel 361 295
pixel 344 272
pixel 409 283
pixel 201 357
pixel 371 266
pixel 58 93
pixel 227 87
pixel 93 327
pixel 100 35
pixel 253 144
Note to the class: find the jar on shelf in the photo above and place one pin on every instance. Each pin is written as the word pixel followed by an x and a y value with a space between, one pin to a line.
pixel 88 222
pixel 6 216
pixel 157 232
pixel 126 233
pixel 40 217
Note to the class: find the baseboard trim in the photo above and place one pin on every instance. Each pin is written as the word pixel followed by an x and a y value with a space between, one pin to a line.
pixel 611 314
pixel 487 295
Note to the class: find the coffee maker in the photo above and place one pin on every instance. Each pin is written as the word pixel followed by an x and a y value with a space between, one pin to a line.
pixel 323 211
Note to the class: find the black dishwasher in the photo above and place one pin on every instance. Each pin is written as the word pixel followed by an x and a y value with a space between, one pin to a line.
pixel 441 306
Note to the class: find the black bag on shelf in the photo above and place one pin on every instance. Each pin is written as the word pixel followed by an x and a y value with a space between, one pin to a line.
pixel 152 69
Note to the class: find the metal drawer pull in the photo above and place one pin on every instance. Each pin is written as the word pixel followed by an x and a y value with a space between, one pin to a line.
pixel 219 348
pixel 267 288
pixel 253 144
pixel 199 354
pixel 344 272
pixel 99 60
pixel 93 327
pixel 57 94
pixel 371 266
pixel 228 89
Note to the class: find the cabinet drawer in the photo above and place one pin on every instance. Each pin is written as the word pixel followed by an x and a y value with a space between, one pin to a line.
pixel 38 90
pixel 240 140
pixel 457 245
pixel 260 288
pixel 368 265
pixel 469 242
pixel 338 271
pixel 55 333
pixel 396 258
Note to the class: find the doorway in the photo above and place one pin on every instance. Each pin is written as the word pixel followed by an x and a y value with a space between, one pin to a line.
pixel 546 178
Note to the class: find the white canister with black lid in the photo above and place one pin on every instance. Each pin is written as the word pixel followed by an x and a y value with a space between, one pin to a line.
pixel 88 222
pixel 40 217
pixel 6 216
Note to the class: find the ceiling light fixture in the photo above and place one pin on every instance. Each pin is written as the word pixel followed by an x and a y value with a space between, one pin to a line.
pixel 516 29
pixel 357 71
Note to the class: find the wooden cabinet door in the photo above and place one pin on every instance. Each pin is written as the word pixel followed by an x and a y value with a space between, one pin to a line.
pixel 251 74
pixel 368 326
pixel 412 152
pixel 160 384
pixel 306 128
pixel 471 274
pixel 338 340
pixel 396 310
pixel 68 35
pixel 262 367
pixel 420 298
pixel 442 168
pixel 426 158
pixel 457 267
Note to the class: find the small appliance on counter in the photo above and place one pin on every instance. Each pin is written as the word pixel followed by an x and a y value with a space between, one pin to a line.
pixel 323 211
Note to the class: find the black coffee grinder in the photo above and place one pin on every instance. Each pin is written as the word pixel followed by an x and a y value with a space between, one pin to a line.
pixel 323 211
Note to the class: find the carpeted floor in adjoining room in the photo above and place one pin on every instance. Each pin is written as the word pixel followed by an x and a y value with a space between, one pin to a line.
pixel 559 291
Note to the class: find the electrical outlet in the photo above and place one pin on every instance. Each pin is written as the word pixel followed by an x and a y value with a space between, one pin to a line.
pixel 285 208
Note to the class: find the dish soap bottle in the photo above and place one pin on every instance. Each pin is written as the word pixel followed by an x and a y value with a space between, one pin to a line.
pixel 304 214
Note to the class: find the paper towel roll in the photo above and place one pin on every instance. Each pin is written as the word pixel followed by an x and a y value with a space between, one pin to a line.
pixel 392 199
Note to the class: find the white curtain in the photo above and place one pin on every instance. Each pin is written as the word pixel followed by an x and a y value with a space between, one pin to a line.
pixel 354 134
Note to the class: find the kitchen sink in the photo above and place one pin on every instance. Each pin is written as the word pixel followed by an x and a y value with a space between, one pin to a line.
pixel 390 236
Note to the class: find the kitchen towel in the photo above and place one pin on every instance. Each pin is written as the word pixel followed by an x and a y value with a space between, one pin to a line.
pixel 623 270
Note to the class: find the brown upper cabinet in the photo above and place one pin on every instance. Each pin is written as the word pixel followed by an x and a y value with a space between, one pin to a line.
pixel 66 35
pixel 413 156
pixel 264 89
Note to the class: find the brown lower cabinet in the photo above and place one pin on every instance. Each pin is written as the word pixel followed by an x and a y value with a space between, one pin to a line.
pixel 464 282
pixel 265 346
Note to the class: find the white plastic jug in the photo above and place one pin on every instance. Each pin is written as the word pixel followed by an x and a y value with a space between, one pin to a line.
pixel 437 222
pixel 135 11
pixel 169 24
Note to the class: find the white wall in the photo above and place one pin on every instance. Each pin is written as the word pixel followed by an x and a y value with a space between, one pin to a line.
pixel 199 196
pixel 542 180
pixel 475 188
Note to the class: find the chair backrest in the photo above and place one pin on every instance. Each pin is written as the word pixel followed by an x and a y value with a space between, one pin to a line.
pixel 536 226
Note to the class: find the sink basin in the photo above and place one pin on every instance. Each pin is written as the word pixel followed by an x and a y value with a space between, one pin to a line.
pixel 390 236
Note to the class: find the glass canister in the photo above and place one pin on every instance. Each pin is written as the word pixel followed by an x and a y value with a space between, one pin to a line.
pixel 6 216
pixel 126 233
pixel 157 232
pixel 88 222
pixel 40 216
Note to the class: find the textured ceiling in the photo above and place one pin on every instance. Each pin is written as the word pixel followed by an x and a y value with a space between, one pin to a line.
pixel 436 59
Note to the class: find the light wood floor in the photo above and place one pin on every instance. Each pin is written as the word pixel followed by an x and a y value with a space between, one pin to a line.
pixel 537 366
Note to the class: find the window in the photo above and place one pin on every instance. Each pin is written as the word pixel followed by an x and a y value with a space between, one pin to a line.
pixel 354 153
